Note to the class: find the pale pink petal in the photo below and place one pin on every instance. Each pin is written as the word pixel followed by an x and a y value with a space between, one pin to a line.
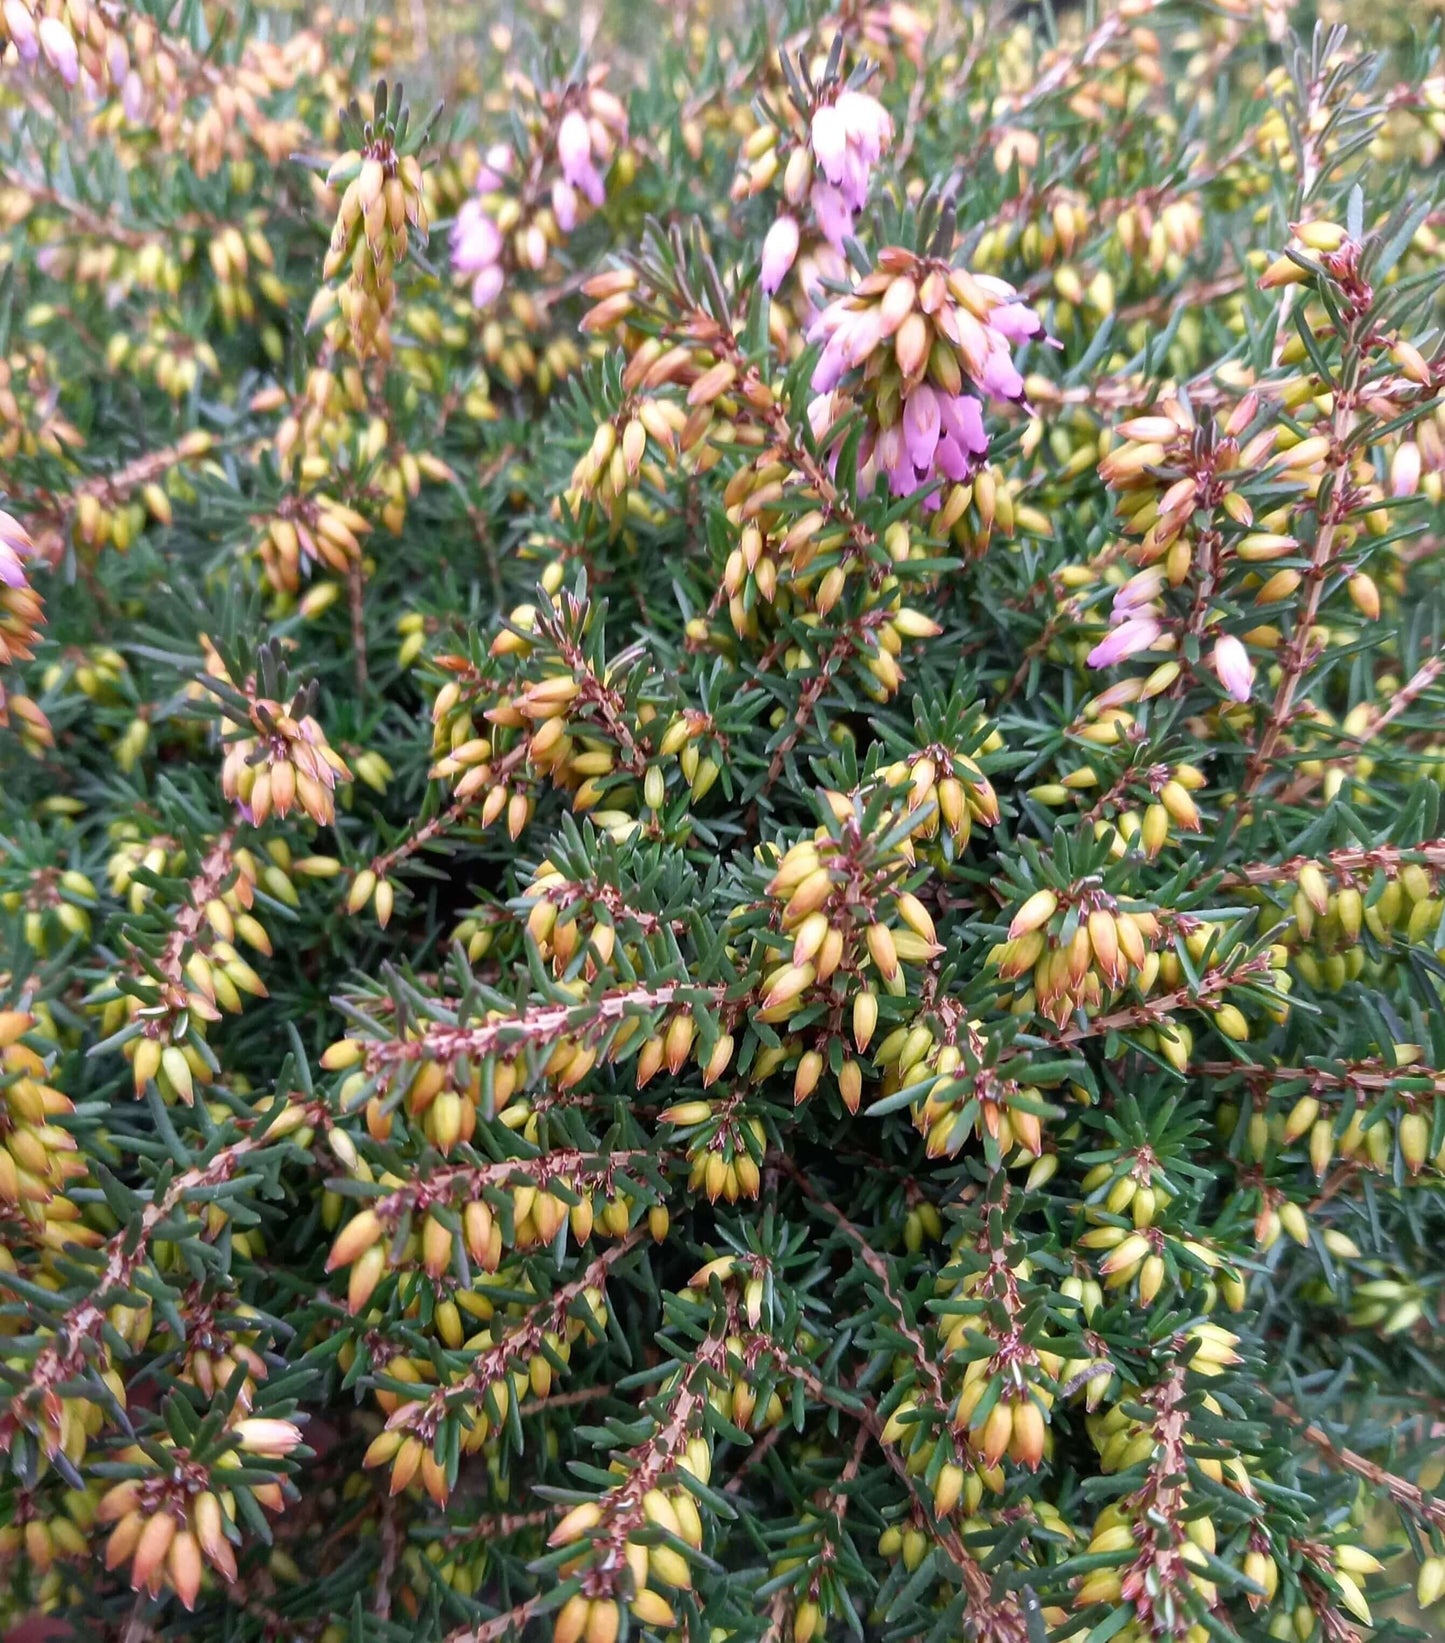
pixel 962 416
pixel 487 286
pixel 779 249
pixel 58 44
pixel 868 125
pixel 476 239
pixel 953 461
pixel 1137 634
pixel 831 365
pixel 862 336
pixel 1234 668
pixel 1141 589
pixel 833 215
pixel 133 97
pixel 1016 321
pixel 20 26
pixel 564 204
pixel 1405 469
pixel 830 142
pixel 589 180
pixel 574 145
pixel 820 415
pixel 921 423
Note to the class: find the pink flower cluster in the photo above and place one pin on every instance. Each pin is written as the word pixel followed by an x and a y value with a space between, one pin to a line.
pixel 52 37
pixel 476 239
pixel 49 35
pixel 1134 621
pixel 15 548
pixel 1136 624
pixel 575 144
pixel 831 173
pixel 586 142
pixel 934 342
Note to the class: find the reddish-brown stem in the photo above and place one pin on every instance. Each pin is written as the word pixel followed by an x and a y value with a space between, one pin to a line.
pixel 540 1024
pixel 1408 1497
pixel 126 1253
pixel 442 1186
pixel 1351 859
pixel 514 1350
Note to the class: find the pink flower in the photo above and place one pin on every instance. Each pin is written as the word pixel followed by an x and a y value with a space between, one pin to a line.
pixel 20 26
pixel 564 204
pixel 779 250
pixel 495 166
pixel 829 136
pixel 963 423
pixel 15 545
pixel 1131 636
pixel 58 44
pixel 133 97
pixel 1405 469
pixel 922 422
pixel 1016 321
pixel 574 151
pixel 830 367
pixel 477 249
pixel 487 286
pixel 820 415
pixel 847 138
pixel 867 123
pixel 574 145
pixel 934 433
pixel 1143 588
pixel 835 220
pixel 476 239
pixel 1000 377
pixel 1234 668
pixel 589 180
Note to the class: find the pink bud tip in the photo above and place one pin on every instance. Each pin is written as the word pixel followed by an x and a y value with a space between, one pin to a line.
pixel 1234 668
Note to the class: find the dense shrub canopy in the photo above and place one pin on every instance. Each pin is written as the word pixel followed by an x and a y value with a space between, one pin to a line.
pixel 721 847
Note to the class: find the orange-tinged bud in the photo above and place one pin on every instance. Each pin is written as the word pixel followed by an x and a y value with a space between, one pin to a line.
pixel 865 1018
pixel 366 1274
pixel 209 1527
pixel 571 1621
pixel 477 1231
pixel 124 1538
pixel 150 1553
pixel 1034 914
pixel 678 1043
pixel 436 1243
pixel 805 1079
pixel 882 950
pixel 912 343
pixel 183 1565
pixel 997 1432
pixel 785 984
pixel 1365 596
pixel 1026 1446
pixel 916 916
pixel 717 1064
pixel 264 1435
pixel 354 1239
pixel 653 1610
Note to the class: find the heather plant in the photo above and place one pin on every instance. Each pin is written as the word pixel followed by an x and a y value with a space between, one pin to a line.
pixel 721 846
